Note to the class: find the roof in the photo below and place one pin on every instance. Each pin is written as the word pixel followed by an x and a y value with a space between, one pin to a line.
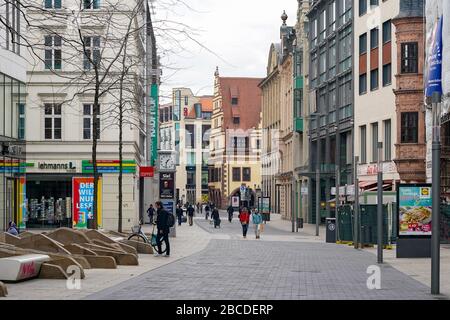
pixel 249 101
pixel 207 106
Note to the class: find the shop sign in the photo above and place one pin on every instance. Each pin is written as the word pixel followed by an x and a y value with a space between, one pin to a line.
pixel 109 166
pixel 372 169
pixel 83 201
pixel 147 172
pixel 414 210
pixel 57 166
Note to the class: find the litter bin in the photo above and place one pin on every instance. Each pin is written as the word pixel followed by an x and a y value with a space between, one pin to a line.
pixel 300 223
pixel 331 230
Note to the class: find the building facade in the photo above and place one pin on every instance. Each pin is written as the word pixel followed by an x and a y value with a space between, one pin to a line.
pixel 185 129
pixel 235 142
pixel 301 112
pixel 59 107
pixel 375 69
pixel 331 100
pixel 409 91
pixel 271 122
pixel 12 116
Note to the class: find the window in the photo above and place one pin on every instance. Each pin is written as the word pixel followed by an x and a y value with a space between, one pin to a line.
pixel 363 84
pixel 374 38
pixel 258 144
pixel 52 50
pixel 314 33
pixel 91 4
pixel 52 4
pixel 363 43
pixel 323 67
pixel 346 11
pixel 246 174
pixel 374 80
pixel 236 120
pixel 323 25
pixel 332 13
pixel 409 63
pixel 387 140
pixel 314 69
pixel 191 158
pixel 387 31
pixel 21 121
pixel 363 132
pixel 236 174
pixel 52 121
pixel 332 59
pixel 190 178
pixel 362 7
pixel 387 75
pixel 345 48
pixel 234 101
pixel 206 134
pixel 186 100
pixel 88 125
pixel 375 142
pixel 373 3
pixel 92 52
pixel 190 136
pixel 410 127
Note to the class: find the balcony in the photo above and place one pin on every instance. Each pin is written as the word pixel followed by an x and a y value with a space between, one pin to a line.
pixel 298 125
pixel 298 82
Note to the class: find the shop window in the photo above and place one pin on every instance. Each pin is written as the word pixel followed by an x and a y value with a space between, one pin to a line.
pixel 52 121
pixel 88 126
pixel 53 52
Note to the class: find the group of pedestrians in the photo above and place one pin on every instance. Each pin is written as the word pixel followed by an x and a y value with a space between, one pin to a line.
pixel 244 218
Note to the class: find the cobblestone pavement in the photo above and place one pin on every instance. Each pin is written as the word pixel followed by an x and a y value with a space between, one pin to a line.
pixel 233 268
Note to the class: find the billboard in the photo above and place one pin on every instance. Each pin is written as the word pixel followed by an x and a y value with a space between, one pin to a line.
pixel 167 185
pixel 235 201
pixel 414 210
pixel 83 201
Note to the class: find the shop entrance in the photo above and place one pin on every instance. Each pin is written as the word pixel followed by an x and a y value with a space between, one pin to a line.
pixel 49 201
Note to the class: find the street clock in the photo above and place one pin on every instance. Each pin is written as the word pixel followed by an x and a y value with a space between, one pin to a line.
pixel 167 161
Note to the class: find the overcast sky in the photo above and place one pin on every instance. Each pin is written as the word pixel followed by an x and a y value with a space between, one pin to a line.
pixel 237 32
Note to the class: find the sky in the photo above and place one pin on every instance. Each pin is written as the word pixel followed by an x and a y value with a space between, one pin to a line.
pixel 234 35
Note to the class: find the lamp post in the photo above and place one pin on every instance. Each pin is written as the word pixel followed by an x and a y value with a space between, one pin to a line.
pixel 380 205
pixel 356 209
pixel 436 192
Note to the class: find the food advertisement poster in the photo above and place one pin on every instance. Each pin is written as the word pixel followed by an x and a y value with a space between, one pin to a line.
pixel 83 202
pixel 415 209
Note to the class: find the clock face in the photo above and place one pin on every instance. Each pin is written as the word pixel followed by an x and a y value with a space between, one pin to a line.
pixel 167 162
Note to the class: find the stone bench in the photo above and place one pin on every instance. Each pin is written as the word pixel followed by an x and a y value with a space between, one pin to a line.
pixel 23 267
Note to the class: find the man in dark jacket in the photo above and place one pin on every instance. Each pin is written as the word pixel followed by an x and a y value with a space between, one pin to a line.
pixel 190 212
pixel 216 217
pixel 151 213
pixel 162 225
pixel 180 215
pixel 230 211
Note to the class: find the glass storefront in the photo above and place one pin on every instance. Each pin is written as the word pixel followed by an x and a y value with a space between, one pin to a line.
pixel 12 152
pixel 49 201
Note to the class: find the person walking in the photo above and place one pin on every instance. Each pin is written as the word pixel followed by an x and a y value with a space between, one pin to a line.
pixel 190 213
pixel 216 218
pixel 151 213
pixel 162 223
pixel 257 222
pixel 244 218
pixel 230 211
pixel 179 215
pixel 207 212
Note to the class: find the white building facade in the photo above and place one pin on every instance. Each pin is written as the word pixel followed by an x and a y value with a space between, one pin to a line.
pixel 59 111
pixel 375 109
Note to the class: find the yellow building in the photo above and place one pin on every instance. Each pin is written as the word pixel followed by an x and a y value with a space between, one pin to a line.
pixel 235 142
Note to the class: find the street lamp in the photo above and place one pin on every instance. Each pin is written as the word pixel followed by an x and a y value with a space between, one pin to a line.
pixel 380 205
